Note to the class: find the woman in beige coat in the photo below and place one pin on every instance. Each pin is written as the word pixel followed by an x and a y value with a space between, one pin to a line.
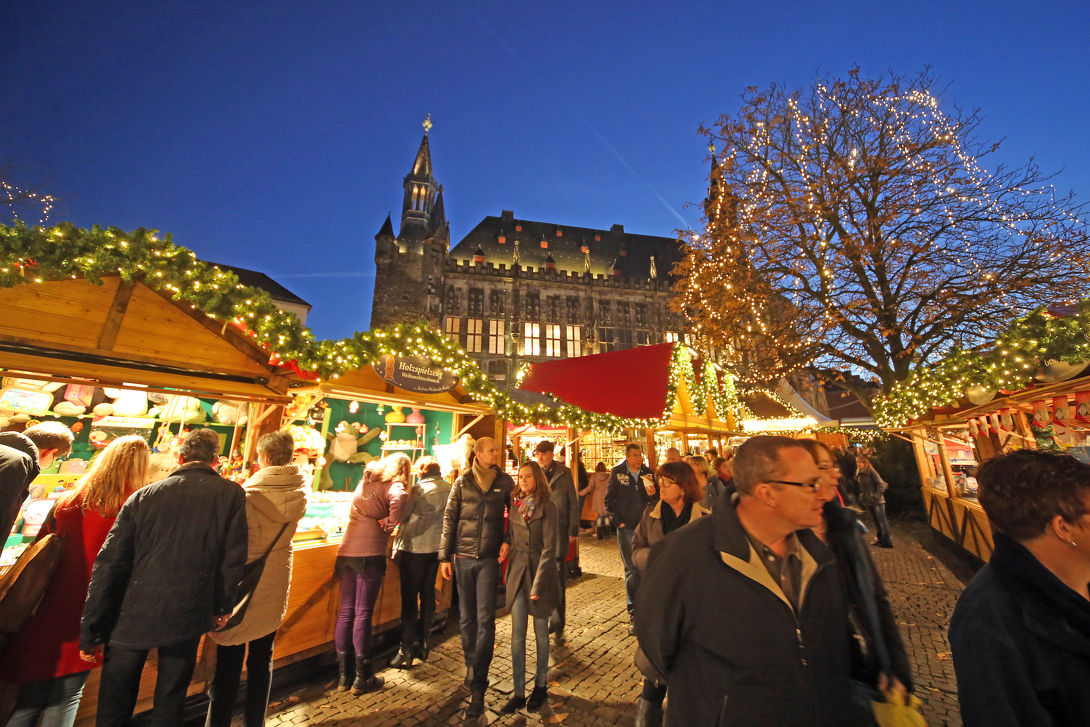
pixel 275 501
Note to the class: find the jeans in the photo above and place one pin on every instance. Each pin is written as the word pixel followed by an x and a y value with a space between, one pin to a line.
pixel 477 580
pixel 224 688
pixel 631 575
pixel 361 579
pixel 418 572
pixel 120 682
pixel 54 700
pixel 520 611
pixel 881 524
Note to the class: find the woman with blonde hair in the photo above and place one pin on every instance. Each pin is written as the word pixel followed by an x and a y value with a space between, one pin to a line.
pixel 377 506
pixel 49 666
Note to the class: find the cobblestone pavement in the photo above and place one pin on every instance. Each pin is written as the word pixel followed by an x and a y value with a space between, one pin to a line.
pixel 592 680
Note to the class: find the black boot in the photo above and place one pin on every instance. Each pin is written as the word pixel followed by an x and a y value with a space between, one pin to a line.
pixel 403 659
pixel 423 648
pixel 648 714
pixel 476 702
pixel 344 678
pixel 366 681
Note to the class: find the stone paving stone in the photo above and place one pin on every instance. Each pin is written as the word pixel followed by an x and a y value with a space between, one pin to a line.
pixel 592 680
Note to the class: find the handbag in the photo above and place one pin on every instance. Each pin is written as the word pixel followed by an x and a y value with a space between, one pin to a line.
pixel 251 576
pixel 24 584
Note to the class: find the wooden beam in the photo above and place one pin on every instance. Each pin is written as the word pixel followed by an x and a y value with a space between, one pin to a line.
pixel 467 427
pixel 108 336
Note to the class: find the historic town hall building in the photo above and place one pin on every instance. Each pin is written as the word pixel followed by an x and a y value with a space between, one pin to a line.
pixel 518 290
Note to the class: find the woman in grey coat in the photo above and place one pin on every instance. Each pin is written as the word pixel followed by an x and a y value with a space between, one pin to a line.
pixel 533 583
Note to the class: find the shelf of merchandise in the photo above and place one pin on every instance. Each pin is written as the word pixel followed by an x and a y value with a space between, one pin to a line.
pixel 414 452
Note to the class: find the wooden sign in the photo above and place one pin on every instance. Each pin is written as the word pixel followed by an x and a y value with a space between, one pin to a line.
pixel 415 374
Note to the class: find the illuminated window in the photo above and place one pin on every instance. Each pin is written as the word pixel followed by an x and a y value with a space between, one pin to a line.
pixel 531 339
pixel 552 339
pixel 671 337
pixel 495 337
pixel 474 328
pixel 454 328
pixel 575 345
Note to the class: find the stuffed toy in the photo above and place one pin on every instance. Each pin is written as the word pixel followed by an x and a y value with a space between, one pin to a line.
pixel 185 409
pixel 229 412
pixel 347 439
pixel 126 403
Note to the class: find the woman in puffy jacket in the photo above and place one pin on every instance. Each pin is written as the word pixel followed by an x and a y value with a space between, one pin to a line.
pixel 275 501
pixel 361 564
pixel 44 657
pixel 533 581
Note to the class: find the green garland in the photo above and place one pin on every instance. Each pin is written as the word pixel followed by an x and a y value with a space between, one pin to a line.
pixel 31 255
pixel 1008 364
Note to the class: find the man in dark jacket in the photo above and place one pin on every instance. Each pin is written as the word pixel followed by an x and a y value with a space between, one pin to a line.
pixel 631 488
pixel 22 456
pixel 167 573
pixel 562 492
pixel 474 539
pixel 743 611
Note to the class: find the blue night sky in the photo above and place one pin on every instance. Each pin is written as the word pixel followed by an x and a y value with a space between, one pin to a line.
pixel 274 135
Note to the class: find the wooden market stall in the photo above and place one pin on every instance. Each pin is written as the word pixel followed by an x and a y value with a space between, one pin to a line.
pixel 446 414
pixel 130 337
pixel 950 442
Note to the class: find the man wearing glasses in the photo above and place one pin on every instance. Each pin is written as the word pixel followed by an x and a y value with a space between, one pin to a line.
pixel 752 629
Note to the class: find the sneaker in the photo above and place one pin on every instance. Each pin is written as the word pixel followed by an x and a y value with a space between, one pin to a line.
pixel 537 699
pixel 513 704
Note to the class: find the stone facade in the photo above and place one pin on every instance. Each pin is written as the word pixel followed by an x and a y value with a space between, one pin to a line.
pixel 518 290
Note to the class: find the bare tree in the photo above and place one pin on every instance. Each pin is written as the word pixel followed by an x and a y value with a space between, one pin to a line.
pixel 854 225
pixel 21 202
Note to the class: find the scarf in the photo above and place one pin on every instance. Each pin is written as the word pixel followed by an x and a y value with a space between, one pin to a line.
pixel 527 506
pixel 483 475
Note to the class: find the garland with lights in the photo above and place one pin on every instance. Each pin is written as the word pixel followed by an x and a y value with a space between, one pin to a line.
pixel 1008 364
pixel 31 255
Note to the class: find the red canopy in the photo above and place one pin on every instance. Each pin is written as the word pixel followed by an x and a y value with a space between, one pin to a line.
pixel 630 383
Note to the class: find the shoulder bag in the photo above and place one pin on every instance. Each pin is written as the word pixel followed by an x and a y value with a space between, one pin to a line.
pixel 251 576
pixel 24 584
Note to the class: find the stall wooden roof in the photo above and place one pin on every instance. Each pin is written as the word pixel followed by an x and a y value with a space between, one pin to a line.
pixel 117 333
pixel 365 384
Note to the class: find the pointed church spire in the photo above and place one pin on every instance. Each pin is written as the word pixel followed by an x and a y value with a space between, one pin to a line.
pixel 420 193
pixel 422 164
pixel 387 227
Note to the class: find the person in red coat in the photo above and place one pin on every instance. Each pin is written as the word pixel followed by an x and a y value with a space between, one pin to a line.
pixel 44 656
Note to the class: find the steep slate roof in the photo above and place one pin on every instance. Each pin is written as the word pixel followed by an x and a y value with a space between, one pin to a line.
pixel 630 253
pixel 256 279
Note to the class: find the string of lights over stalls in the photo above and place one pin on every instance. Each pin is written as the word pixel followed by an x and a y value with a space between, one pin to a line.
pixel 37 254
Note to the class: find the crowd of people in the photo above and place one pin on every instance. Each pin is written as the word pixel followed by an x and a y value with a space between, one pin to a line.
pixel 748 583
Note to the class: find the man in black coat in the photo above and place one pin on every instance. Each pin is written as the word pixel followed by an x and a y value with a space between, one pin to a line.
pixel 743 611
pixel 562 492
pixel 631 488
pixel 167 573
pixel 22 456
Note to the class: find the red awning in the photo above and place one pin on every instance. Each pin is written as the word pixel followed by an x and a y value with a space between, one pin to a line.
pixel 630 383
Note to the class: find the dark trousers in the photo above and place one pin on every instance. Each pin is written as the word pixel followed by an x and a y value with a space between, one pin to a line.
pixel 631 575
pixel 557 617
pixel 417 572
pixel 881 524
pixel 477 580
pixel 224 689
pixel 120 682
pixel 361 579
